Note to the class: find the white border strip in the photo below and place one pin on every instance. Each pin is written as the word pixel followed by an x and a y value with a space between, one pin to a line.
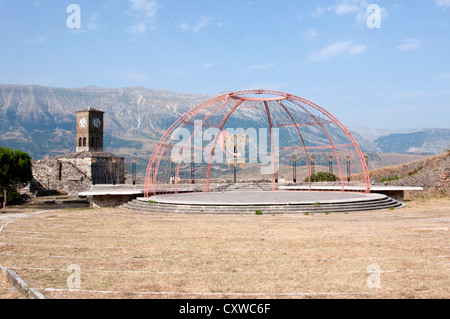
pixel 20 284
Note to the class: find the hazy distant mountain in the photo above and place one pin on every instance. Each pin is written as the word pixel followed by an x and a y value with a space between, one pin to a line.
pixel 365 144
pixel 433 141
pixel 41 120
pixel 371 134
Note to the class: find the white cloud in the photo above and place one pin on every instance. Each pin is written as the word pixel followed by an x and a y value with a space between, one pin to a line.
pixel 37 40
pixel 145 13
pixel 357 49
pixel 111 3
pixel 341 7
pixel 318 12
pixel 444 76
pixel 409 44
pixel 443 3
pixel 345 8
pixel 204 22
pixel 145 8
pixel 310 34
pixel 208 65
pixel 184 26
pixel 260 67
pixel 224 24
pixel 397 7
pixel 348 48
pixel 93 25
pixel 138 28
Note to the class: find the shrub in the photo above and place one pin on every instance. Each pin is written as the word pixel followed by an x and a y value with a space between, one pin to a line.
pixel 323 177
pixel 389 179
pixel 15 171
pixel 258 212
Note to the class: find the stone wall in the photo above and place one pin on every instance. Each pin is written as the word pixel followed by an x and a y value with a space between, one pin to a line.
pixel 72 174
pixel 57 175
pixel 104 171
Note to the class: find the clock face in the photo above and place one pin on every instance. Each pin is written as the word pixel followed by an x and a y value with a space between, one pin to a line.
pixel 82 122
pixel 96 122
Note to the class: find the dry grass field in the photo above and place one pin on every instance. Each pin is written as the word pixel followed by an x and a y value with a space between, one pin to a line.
pixel 121 254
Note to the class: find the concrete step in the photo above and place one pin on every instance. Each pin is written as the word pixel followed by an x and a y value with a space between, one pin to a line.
pixel 162 208
pixel 168 205
pixel 158 208
pixel 272 212
pixel 372 202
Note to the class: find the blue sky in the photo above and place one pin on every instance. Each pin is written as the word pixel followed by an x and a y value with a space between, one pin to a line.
pixel 394 76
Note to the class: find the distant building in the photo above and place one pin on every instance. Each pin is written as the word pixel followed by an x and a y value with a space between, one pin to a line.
pixel 88 165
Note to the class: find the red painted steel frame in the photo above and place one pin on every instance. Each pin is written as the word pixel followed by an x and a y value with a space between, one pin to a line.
pixel 241 96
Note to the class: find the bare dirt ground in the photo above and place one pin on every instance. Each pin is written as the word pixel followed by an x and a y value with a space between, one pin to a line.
pixel 121 254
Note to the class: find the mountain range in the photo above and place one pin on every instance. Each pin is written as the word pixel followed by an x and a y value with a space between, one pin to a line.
pixel 41 121
pixel 431 141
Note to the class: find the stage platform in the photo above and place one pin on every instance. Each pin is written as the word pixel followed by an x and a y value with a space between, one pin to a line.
pixel 262 202
pixel 116 195
pixel 262 198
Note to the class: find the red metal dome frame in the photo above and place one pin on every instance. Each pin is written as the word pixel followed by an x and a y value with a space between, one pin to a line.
pixel 282 111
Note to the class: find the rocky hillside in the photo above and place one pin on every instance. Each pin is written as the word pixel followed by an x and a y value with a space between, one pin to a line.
pixel 432 173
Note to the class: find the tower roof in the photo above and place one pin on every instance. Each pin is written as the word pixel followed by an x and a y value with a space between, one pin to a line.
pixel 89 109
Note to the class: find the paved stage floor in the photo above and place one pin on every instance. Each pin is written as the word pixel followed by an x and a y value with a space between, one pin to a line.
pixel 263 198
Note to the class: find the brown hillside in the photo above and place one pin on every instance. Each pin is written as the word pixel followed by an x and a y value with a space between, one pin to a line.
pixel 431 173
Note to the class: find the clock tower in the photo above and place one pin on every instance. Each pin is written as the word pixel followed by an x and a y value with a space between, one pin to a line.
pixel 89 130
pixel 74 172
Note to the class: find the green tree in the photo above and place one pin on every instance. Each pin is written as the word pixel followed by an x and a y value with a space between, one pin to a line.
pixel 323 177
pixel 15 170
